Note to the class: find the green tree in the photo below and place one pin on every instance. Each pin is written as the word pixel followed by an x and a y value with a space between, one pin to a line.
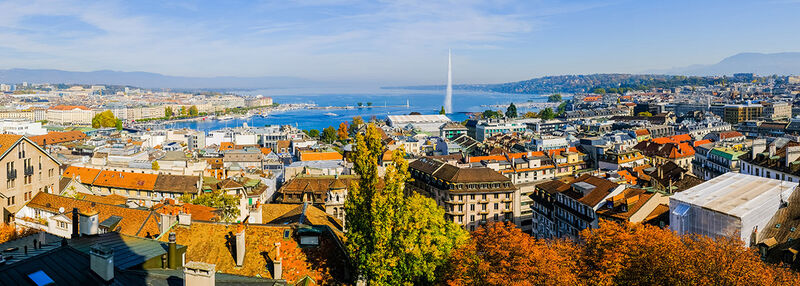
pixel 369 103
pixel 393 239
pixel 530 114
pixel 227 205
pixel 547 114
pixel 645 114
pixel 562 108
pixel 612 90
pixel 360 104
pixel 329 134
pixel 184 111
pixel 599 90
pixel 118 124
pixel 104 119
pixel 193 111
pixel 313 133
pixel 168 111
pixel 442 111
pixel 491 114
pixel 511 111
pixel 155 166
pixel 554 98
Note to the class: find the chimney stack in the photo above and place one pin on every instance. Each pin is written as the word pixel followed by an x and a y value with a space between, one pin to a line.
pixel 792 154
pixel 277 263
pixel 198 274
pixel 240 248
pixel 75 224
pixel 759 146
pixel 172 252
pixel 102 262
pixel 772 150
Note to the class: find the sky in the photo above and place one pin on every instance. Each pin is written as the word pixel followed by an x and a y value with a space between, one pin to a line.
pixel 389 42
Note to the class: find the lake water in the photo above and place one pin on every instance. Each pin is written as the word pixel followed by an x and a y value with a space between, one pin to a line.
pixel 386 102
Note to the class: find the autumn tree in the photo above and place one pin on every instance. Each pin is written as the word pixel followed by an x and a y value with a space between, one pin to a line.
pixel 530 114
pixel 341 133
pixel 9 232
pixel 645 114
pixel 501 254
pixel 155 166
pixel 227 205
pixel 193 111
pixel 104 119
pixel 168 112
pixel 393 239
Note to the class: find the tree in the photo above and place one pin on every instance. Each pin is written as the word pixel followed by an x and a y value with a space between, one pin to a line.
pixel 9 232
pixel 562 108
pixel 645 114
pixel 168 111
pixel 442 111
pixel 612 90
pixel 599 90
pixel 184 111
pixel 547 114
pixel 227 205
pixel 341 133
pixel 554 98
pixel 313 133
pixel 491 114
pixel 360 104
pixel 530 114
pixel 501 254
pixel 193 111
pixel 104 119
pixel 369 103
pixel 511 111
pixel 328 134
pixel 118 124
pixel 393 239
pixel 357 123
pixel 155 166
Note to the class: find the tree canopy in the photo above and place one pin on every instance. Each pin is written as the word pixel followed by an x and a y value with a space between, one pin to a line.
pixel 168 112
pixel 442 111
pixel 645 114
pixel 227 205
pixel 193 111
pixel 492 114
pixel 328 134
pixel 393 239
pixel 599 90
pixel 554 98
pixel 547 114
pixel 104 119
pixel 511 111
pixel 613 254
pixel 342 133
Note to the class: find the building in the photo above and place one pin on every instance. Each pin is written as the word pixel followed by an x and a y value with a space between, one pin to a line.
pixel 21 127
pixel 736 113
pixel 615 160
pixel 659 152
pixel 632 205
pixel 487 128
pixel 769 161
pixel 471 197
pixel 70 115
pixel 452 130
pixel 28 170
pixel 545 143
pixel 729 205
pixel 563 209
pixel 777 110
pixel 326 192
pixel 425 123
pixel 711 161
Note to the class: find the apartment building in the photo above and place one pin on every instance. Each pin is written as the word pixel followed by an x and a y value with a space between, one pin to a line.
pixel 28 170
pixel 70 115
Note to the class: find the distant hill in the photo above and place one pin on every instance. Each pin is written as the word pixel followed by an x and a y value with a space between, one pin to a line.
pixel 760 64
pixel 145 79
pixel 580 83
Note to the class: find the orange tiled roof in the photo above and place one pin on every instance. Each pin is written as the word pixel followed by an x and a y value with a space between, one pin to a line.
pixel 58 137
pixel 225 146
pixel 87 174
pixel 701 142
pixel 555 152
pixel 112 199
pixel 208 242
pixel 7 141
pixel 69 107
pixel 134 222
pixel 266 151
pixel 627 176
pixel 320 156
pixel 125 180
pixel 198 212
pixel 729 134
pixel 642 132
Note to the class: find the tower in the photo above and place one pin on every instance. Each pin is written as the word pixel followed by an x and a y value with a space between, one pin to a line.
pixel 448 98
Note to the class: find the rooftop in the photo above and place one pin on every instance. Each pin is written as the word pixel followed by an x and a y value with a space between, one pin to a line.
pixel 736 194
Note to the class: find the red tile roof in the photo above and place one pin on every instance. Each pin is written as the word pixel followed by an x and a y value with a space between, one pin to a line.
pixel 58 137
pixel 69 107
pixel 125 180
pixel 87 174
pixel 7 141
pixel 320 156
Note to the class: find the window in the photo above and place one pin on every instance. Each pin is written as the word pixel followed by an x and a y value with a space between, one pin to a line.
pixel 472 218
pixel 495 205
pixel 472 207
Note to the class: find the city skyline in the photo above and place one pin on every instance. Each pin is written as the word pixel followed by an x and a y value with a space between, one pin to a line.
pixel 388 43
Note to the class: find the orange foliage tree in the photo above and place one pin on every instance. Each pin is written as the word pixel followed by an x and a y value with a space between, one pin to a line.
pixel 342 132
pixel 9 232
pixel 613 254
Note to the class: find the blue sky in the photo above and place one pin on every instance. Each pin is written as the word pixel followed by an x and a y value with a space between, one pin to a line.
pixel 389 42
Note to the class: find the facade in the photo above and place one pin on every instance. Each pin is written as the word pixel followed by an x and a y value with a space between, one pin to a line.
pixel 28 170
pixel 615 160
pixel 736 113
pixel 426 123
pixel 777 110
pixel 486 128
pixel 452 130
pixel 732 204
pixel 471 197
pixel 326 192
pixel 711 161
pixel 769 161
pixel 545 143
pixel 70 115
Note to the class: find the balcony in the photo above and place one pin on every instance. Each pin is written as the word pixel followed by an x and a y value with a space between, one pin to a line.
pixel 507 200
pixel 508 210
pixel 484 212
pixel 455 212
pixel 11 174
pixel 29 171
pixel 454 202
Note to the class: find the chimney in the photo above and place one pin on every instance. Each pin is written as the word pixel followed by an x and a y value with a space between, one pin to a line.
pixel 172 252
pixel 101 261
pixel 277 263
pixel 185 219
pixel 792 154
pixel 240 248
pixel 759 145
pixel 89 222
pixel 198 274
pixel 772 150
pixel 75 224
pixel 166 222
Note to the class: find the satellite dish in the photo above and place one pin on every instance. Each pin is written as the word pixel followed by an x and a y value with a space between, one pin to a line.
pixel 61 210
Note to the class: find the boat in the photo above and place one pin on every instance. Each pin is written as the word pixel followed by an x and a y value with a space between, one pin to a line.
pixel 331 114
pixel 225 118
